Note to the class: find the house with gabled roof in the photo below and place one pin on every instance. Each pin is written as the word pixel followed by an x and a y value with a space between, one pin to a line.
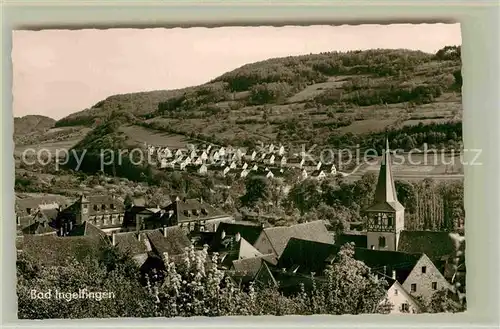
pixel 281 160
pixel 202 170
pixel 401 301
pixel 236 248
pixel 281 150
pixel 275 239
pixel 248 231
pixel 246 269
pixel 170 240
pixel 193 215
pixel 103 211
pixel 318 174
pixel 414 271
pixel 269 159
pixel 40 228
pixel 88 230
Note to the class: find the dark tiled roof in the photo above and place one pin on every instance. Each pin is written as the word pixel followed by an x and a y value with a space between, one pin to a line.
pixel 249 232
pixel 310 256
pixel 39 228
pixel 265 276
pixel 434 244
pixel 175 243
pixel 316 173
pixel 89 230
pixel 129 243
pixel 313 231
pixel 247 268
pixel 96 202
pixel 107 200
pixel 196 210
pixel 378 260
pixel 58 251
pixel 359 240
pixel 313 256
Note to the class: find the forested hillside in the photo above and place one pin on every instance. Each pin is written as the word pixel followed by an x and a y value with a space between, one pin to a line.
pixel 330 98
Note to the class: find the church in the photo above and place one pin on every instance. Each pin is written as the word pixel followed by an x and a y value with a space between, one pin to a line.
pixel 385 225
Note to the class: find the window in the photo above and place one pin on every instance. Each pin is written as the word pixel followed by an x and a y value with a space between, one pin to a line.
pixel 434 286
pixel 389 221
pixel 405 307
pixel 28 210
pixel 85 206
pixel 413 287
pixel 424 269
pixel 112 206
pixel 103 207
pixel 381 242
pixel 95 207
pixel 395 292
pixel 372 247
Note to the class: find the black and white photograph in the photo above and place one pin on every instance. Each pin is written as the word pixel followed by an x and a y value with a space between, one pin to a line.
pixel 239 171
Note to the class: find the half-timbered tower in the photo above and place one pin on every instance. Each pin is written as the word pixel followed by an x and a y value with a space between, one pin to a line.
pixel 385 217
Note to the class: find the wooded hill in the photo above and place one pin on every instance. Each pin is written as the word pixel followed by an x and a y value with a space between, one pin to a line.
pixel 334 98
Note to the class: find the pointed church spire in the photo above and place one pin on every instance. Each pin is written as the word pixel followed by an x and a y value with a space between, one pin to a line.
pixel 386 190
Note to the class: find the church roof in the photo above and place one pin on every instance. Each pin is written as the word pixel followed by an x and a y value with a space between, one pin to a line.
pixel 385 198
pixel 359 240
pixel 311 256
pixel 434 244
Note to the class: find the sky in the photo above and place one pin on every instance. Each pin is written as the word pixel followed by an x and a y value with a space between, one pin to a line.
pixel 58 72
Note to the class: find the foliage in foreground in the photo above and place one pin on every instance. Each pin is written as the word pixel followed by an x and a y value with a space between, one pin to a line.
pixel 193 287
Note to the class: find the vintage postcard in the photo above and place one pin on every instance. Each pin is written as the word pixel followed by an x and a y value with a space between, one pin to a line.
pixel 292 170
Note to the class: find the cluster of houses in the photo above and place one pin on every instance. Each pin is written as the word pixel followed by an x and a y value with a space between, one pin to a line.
pixel 416 264
pixel 269 161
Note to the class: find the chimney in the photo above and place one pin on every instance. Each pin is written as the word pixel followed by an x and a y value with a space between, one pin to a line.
pixel 164 231
pixel 394 274
pixel 137 225
pixel 385 270
pixel 113 238
pixel 237 237
pixel 139 237
pixel 223 235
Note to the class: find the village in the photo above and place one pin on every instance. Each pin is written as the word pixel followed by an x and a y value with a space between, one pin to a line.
pixel 417 264
pixel 266 160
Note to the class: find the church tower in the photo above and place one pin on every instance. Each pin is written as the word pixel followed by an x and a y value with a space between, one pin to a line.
pixel 82 214
pixel 386 215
